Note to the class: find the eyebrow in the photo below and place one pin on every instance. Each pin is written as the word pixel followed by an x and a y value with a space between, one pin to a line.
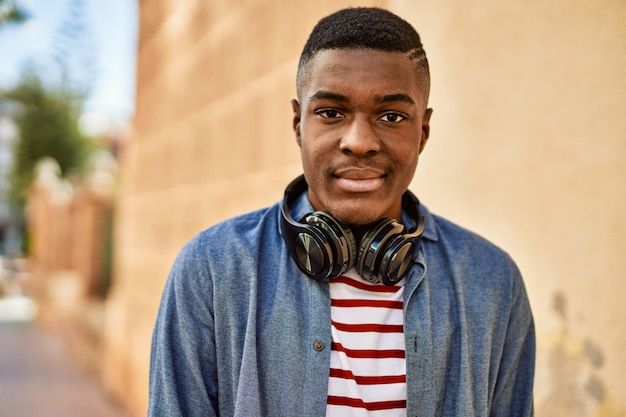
pixel 327 95
pixel 389 98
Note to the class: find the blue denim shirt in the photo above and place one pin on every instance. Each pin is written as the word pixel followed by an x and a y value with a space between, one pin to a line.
pixel 239 327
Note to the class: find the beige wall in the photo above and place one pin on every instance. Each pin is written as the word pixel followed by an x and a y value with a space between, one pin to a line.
pixel 527 148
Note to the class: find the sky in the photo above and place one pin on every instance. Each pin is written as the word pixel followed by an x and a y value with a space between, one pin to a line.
pixel 112 25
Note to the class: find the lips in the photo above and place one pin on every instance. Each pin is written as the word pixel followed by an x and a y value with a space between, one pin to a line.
pixel 359 180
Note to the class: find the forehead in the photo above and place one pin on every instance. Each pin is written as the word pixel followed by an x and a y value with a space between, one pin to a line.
pixel 361 71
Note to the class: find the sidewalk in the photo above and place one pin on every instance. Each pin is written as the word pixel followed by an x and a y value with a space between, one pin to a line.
pixel 39 379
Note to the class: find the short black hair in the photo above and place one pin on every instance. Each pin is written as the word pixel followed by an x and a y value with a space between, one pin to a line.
pixel 366 28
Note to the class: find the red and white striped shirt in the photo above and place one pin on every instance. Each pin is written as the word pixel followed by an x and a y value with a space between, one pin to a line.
pixel 367 360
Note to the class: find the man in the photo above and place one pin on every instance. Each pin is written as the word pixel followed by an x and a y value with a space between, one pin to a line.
pixel 348 298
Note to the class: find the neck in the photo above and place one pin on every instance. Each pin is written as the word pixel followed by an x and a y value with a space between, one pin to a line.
pixel 358 230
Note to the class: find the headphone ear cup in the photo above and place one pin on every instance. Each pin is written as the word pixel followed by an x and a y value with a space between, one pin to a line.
pixel 373 248
pixel 397 260
pixel 332 249
pixel 311 252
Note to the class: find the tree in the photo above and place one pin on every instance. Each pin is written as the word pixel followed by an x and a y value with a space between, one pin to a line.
pixel 11 13
pixel 48 124
pixel 49 103
pixel 46 104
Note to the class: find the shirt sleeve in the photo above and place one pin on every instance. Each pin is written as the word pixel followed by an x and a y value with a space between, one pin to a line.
pixel 513 394
pixel 183 366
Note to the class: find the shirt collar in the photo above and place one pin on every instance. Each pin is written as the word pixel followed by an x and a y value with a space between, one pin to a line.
pixel 430 229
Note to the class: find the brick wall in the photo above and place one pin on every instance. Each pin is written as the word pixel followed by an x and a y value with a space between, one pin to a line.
pixel 526 147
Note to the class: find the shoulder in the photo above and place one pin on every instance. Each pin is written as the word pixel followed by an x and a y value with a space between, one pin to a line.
pixel 233 238
pixel 465 244
pixel 467 259
pixel 237 228
pixel 484 278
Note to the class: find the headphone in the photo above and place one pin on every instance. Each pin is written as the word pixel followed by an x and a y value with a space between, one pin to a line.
pixel 324 248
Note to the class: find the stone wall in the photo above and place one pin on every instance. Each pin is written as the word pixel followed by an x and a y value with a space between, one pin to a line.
pixel 526 148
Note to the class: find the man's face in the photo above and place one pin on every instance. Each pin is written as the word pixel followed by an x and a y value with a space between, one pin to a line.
pixel 361 124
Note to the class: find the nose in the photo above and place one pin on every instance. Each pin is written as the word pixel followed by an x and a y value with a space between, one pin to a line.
pixel 360 138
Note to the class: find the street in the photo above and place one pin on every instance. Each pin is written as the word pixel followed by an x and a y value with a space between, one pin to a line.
pixel 38 378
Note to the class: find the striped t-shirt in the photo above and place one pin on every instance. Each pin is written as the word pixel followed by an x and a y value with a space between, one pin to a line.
pixel 367 360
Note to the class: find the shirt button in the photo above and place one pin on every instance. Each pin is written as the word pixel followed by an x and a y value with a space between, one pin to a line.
pixel 318 345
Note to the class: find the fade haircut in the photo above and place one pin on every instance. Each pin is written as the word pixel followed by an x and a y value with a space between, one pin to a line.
pixel 365 28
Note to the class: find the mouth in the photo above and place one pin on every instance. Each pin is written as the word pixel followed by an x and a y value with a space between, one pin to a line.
pixel 359 180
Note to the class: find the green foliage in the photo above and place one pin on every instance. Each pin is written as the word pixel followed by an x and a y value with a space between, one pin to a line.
pixel 48 124
pixel 11 13
pixel 47 113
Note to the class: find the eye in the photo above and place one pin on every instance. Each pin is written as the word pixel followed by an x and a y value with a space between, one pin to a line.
pixel 392 117
pixel 330 114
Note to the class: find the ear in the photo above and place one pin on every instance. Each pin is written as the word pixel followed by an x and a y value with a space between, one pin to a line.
pixel 296 120
pixel 425 128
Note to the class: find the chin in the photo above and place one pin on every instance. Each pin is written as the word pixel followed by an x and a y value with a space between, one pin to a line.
pixel 358 215
pixel 358 220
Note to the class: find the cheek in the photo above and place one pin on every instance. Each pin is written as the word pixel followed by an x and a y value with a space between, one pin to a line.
pixel 407 153
pixel 310 156
pixel 405 163
pixel 314 146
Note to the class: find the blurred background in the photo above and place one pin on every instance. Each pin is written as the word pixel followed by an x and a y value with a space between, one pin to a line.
pixel 127 127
